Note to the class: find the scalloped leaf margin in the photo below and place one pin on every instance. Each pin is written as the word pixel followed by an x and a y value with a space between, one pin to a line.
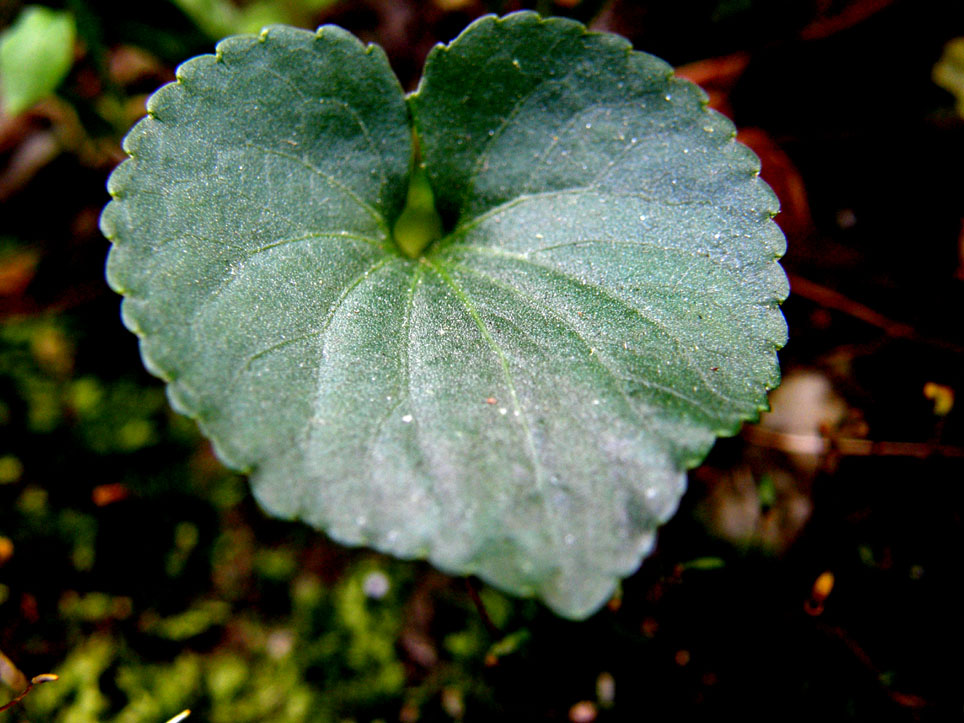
pixel 520 402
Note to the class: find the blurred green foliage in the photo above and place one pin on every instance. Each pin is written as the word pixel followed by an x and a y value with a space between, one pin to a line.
pixel 949 71
pixel 220 18
pixel 145 608
pixel 336 633
pixel 36 53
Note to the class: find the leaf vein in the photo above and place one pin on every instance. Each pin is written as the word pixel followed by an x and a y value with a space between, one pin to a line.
pixel 320 332
pixel 594 354
pixel 311 236
pixel 471 223
pixel 623 304
pixel 327 177
pixel 513 112
pixel 403 390
pixel 490 341
pixel 358 120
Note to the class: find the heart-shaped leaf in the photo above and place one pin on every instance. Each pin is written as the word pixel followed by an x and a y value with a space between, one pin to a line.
pixel 522 399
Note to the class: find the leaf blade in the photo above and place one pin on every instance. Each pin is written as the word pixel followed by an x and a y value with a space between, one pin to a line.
pixel 257 189
pixel 611 221
pixel 522 401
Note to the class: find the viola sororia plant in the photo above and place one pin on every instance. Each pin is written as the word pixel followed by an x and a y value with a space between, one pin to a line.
pixel 511 381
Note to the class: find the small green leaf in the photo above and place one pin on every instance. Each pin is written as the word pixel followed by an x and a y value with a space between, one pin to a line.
pixel 948 73
pixel 36 53
pixel 224 17
pixel 519 398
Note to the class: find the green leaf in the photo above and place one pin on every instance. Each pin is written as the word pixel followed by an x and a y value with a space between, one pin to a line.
pixel 36 53
pixel 948 73
pixel 222 17
pixel 521 400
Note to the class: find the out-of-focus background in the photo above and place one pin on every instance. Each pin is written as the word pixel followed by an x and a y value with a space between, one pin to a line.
pixel 810 571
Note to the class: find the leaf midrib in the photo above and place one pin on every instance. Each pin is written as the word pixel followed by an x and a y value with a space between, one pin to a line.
pixel 517 408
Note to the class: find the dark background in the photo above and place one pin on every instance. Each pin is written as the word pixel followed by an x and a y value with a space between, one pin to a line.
pixel 141 572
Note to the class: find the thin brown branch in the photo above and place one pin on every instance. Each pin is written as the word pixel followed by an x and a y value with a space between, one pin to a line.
pixel 905 700
pixel 852 14
pixel 847 446
pixel 831 299
pixel 472 586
